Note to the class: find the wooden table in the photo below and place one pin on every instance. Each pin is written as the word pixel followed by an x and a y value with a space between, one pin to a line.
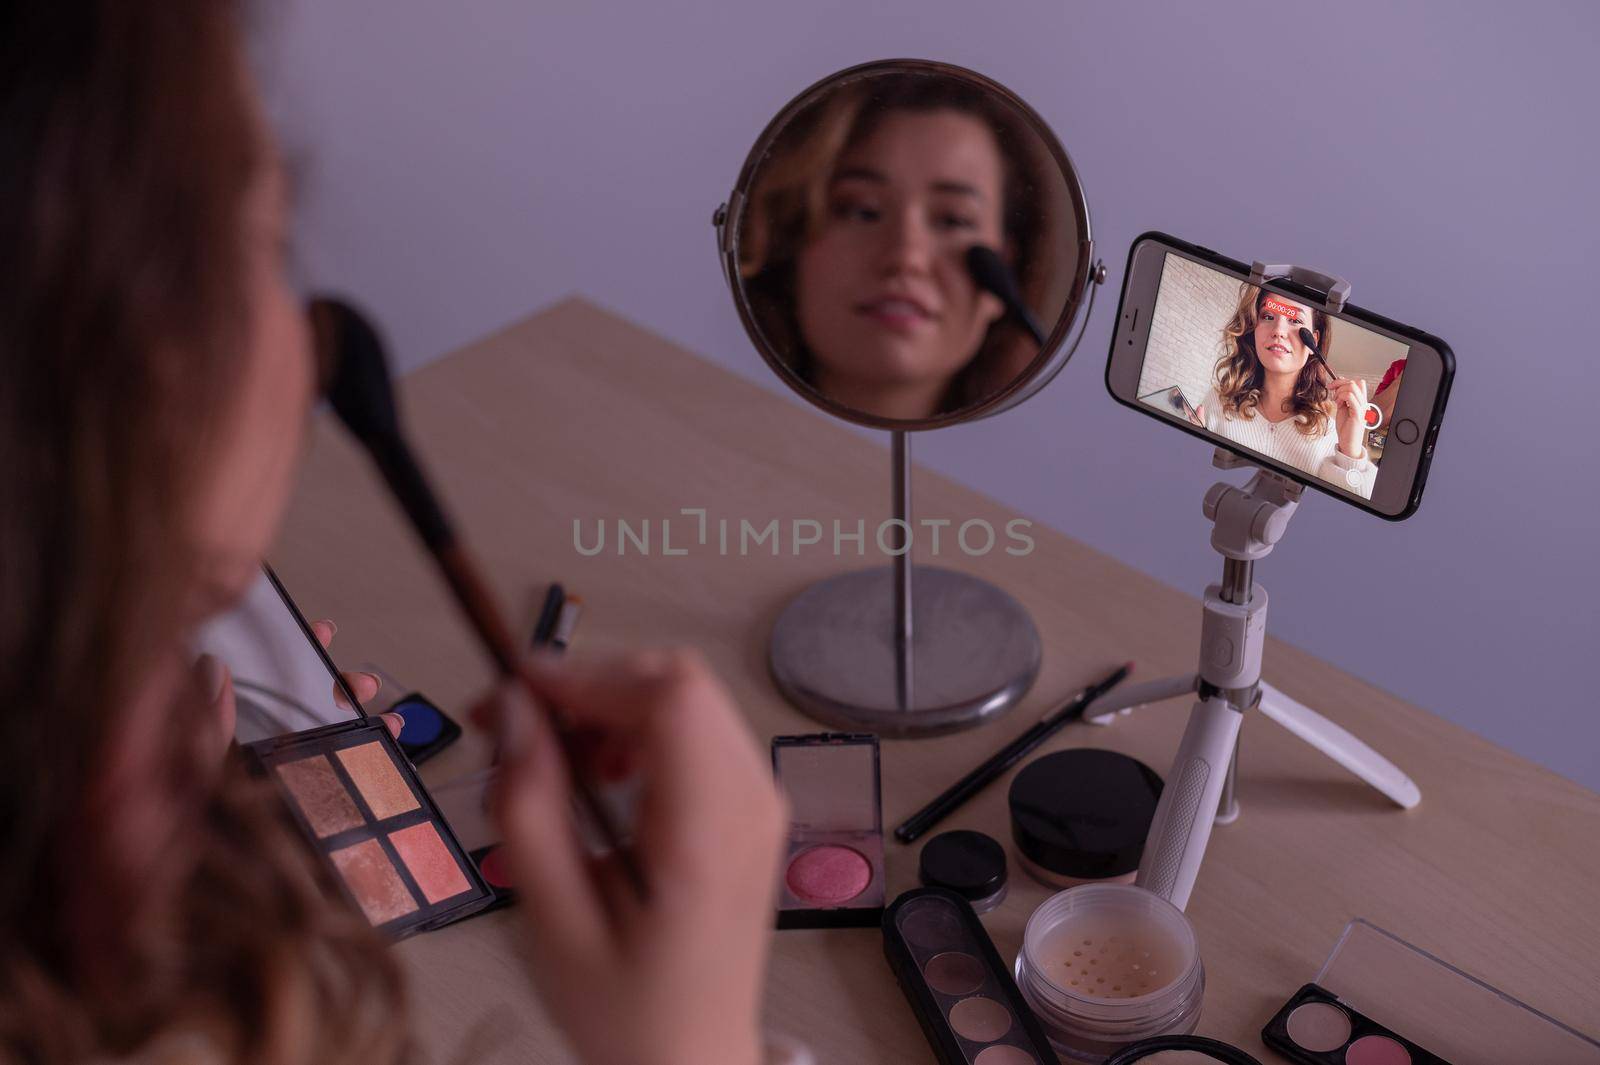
pixel 575 415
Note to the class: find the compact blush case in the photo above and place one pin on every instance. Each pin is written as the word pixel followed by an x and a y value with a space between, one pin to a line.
pixel 833 874
pixel 1315 1028
pixel 1379 1000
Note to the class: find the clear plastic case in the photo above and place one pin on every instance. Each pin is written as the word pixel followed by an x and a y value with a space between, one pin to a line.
pixel 1436 1005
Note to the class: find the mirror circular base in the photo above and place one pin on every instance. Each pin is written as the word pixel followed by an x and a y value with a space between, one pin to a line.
pixel 974 652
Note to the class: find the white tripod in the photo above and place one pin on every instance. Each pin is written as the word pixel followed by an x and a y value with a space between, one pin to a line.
pixel 1247 523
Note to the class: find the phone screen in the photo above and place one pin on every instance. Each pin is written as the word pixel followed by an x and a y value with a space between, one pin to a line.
pixel 281 682
pixel 1232 354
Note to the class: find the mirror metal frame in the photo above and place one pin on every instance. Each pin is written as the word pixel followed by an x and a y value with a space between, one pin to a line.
pixel 730 218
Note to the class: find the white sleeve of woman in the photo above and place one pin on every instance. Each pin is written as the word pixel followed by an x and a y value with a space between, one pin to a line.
pixel 1211 410
pixel 1355 474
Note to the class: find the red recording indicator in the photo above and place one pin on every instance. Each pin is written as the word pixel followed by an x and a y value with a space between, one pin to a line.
pixel 1283 310
pixel 1373 416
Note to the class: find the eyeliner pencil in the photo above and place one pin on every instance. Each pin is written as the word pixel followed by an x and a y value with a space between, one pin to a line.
pixel 1006 757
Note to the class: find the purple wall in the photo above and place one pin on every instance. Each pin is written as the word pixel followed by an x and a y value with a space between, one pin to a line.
pixel 466 163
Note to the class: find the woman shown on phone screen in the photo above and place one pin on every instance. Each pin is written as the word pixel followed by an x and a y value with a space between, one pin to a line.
pixel 1271 395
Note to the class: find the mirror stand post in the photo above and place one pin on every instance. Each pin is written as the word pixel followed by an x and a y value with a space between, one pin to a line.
pixel 900 449
pixel 902 649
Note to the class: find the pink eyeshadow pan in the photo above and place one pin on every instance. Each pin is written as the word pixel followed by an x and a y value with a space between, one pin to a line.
pixel 1376 1050
pixel 320 795
pixel 378 780
pixel 432 865
pixel 372 879
pixel 495 870
pixel 829 874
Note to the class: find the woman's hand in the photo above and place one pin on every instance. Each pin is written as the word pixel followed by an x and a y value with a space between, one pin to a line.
pixel 365 685
pixel 1350 399
pixel 675 979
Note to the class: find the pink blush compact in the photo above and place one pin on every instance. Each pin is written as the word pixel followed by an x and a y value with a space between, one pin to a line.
pixel 833 873
pixel 829 874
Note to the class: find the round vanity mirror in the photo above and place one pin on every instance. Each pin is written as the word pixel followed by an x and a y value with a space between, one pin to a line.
pixel 908 248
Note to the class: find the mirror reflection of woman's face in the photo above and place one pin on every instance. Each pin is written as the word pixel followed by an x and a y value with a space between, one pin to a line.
pixel 884 300
pixel 1277 334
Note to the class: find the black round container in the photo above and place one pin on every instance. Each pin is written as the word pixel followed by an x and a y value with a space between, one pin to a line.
pixel 971 864
pixel 1082 815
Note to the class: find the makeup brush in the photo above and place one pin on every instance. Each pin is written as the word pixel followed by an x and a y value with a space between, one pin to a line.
pixel 355 378
pixel 991 274
pixel 1373 415
pixel 1309 339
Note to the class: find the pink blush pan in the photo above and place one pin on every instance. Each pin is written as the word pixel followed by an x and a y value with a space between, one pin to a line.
pixel 828 874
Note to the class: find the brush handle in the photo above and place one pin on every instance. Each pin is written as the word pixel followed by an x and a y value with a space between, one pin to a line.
pixel 461 572
pixel 1006 757
pixel 405 478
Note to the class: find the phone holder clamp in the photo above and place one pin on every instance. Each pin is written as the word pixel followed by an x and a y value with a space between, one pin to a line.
pixel 1334 290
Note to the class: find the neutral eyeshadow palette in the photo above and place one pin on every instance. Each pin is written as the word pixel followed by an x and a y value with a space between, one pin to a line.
pixel 958 985
pixel 360 803
pixel 1316 1028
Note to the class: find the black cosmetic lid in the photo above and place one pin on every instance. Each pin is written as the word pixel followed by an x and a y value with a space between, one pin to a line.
pixel 971 864
pixel 1084 813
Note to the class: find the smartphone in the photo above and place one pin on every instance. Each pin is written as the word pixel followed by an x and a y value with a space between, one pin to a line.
pixel 1188 325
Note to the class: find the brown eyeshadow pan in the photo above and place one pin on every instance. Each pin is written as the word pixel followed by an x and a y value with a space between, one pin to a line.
pixel 432 865
pixel 379 782
pixel 979 1019
pixel 372 879
pixel 320 795
pixel 954 973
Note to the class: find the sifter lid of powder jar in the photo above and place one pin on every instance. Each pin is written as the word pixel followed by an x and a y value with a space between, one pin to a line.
pixel 971 864
pixel 1083 814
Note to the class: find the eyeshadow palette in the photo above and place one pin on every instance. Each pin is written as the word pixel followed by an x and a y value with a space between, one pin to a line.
pixel 1316 1028
pixel 361 803
pixel 833 875
pixel 957 984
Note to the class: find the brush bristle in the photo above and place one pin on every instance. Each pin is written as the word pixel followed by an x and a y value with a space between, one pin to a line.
pixel 355 370
pixel 991 272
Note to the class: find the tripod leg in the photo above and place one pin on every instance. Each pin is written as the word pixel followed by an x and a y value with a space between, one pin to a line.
pixel 1190 801
pixel 1340 745
pixel 1228 810
pixel 1133 695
